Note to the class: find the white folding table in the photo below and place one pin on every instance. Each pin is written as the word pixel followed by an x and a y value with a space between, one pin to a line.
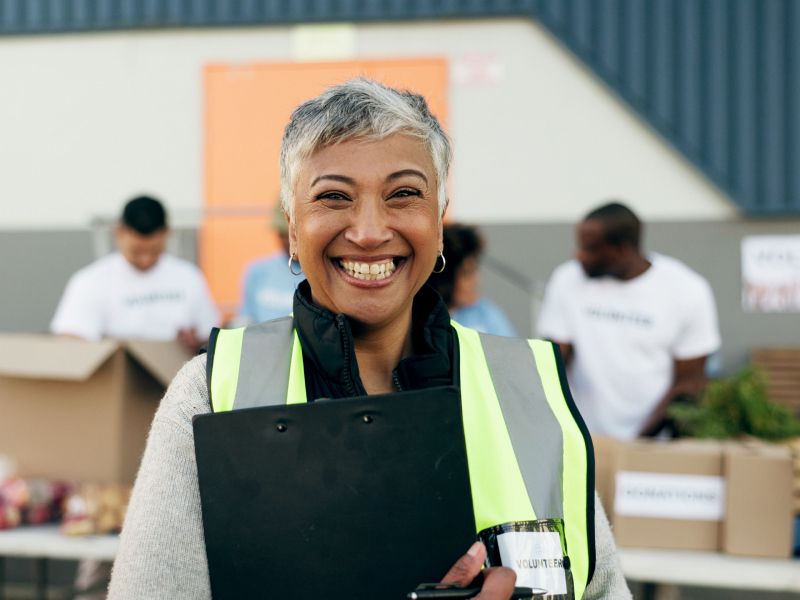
pixel 46 542
pixel 709 569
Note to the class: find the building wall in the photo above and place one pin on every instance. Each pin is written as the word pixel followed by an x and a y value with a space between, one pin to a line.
pixel 89 120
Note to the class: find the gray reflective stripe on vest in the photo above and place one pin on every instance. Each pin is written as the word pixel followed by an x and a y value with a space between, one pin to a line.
pixel 264 367
pixel 533 428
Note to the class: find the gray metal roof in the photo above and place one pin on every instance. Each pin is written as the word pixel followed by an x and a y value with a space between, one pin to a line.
pixel 719 79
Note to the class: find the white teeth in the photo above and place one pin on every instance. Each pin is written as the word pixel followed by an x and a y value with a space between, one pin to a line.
pixel 368 271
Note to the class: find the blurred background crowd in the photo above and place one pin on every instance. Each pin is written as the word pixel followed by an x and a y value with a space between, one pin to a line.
pixel 623 185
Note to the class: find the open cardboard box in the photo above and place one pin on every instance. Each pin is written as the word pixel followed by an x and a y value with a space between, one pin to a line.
pixel 77 410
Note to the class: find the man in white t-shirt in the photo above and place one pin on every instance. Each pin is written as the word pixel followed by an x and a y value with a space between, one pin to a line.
pixel 140 291
pixel 635 331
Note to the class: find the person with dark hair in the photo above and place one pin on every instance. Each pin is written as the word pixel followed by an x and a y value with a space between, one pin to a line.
pixel 635 330
pixel 459 282
pixel 144 215
pixel 140 291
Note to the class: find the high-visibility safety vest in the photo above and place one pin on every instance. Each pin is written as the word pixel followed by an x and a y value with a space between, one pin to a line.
pixel 530 457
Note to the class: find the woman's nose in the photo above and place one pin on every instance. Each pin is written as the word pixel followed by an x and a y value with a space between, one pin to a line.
pixel 369 227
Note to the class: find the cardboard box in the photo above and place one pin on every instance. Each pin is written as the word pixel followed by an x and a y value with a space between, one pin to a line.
pixel 759 518
pixel 77 410
pixel 669 495
pixel 606 451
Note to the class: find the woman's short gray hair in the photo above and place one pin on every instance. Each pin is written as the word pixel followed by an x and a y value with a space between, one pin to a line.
pixel 360 109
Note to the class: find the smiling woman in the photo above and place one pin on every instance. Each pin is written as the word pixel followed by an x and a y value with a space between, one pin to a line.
pixel 363 171
pixel 366 229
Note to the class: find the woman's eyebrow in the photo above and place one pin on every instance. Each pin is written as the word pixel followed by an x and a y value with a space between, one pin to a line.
pixel 404 172
pixel 332 177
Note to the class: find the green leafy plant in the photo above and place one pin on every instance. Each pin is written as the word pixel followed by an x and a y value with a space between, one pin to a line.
pixel 735 406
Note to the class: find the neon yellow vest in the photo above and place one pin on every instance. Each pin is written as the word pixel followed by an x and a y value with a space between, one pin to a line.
pixel 517 412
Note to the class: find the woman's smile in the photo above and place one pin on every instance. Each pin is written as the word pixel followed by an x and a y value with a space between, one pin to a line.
pixel 365 270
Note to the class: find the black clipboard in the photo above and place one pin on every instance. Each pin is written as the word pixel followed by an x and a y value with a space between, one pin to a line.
pixel 360 498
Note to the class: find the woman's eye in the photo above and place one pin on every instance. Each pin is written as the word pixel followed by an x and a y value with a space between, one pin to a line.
pixel 332 196
pixel 405 193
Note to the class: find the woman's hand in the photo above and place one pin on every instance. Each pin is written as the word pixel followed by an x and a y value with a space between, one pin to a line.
pixel 498 582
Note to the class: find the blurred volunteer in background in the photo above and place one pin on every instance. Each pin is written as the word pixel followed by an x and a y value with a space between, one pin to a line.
pixel 139 292
pixel 268 289
pixel 459 284
pixel 635 330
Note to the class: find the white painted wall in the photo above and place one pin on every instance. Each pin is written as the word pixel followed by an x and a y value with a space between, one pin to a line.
pixel 88 120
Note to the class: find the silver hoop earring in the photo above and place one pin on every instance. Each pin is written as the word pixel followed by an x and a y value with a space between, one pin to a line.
pixel 444 263
pixel 293 260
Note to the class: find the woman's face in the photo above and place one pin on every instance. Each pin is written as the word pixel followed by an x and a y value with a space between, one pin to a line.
pixel 366 228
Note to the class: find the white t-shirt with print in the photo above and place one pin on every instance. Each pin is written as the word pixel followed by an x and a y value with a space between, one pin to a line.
pixel 626 335
pixel 111 298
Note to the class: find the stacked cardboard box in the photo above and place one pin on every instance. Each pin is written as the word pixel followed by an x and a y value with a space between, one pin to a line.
pixel 669 495
pixel 698 495
pixel 605 466
pixel 759 513
pixel 76 410
pixel 794 447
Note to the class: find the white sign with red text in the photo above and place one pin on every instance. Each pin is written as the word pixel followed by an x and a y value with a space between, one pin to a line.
pixel 771 273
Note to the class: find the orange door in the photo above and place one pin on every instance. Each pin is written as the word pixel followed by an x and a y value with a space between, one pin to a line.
pixel 247 108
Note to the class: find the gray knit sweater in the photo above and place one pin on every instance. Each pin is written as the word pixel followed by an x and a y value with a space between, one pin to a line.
pixel 162 553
